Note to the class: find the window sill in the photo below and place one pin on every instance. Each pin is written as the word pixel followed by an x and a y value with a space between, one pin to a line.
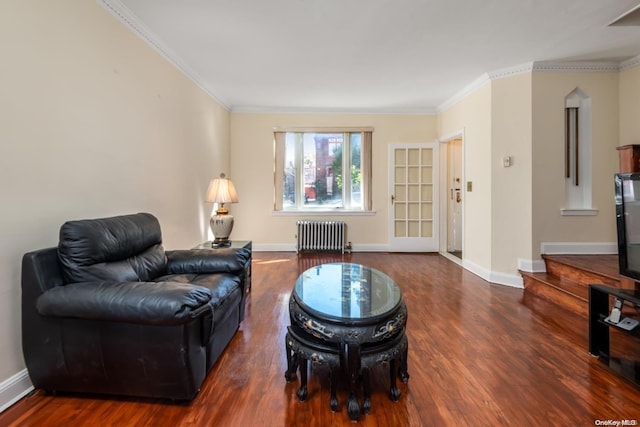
pixel 578 212
pixel 322 212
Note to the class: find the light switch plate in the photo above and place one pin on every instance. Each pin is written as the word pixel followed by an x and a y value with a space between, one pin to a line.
pixel 469 186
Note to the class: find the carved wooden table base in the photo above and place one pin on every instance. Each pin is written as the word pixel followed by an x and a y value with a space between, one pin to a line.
pixel 348 350
pixel 394 352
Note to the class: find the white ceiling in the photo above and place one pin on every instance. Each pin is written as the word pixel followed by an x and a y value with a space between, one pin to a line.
pixel 394 56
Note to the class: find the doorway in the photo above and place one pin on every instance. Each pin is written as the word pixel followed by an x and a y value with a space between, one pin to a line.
pixel 454 203
pixel 452 195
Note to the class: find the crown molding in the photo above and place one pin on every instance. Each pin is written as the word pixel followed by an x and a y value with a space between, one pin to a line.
pixel 482 80
pixel 464 92
pixel 630 63
pixel 354 111
pixel 576 66
pixel 511 71
pixel 540 66
pixel 126 17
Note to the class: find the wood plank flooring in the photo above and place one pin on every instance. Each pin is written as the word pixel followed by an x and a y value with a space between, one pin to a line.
pixel 479 355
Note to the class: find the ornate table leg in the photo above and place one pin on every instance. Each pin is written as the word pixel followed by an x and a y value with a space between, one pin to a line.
pixel 351 352
pixel 366 385
pixel 333 400
pixel 394 391
pixel 404 374
pixel 302 392
pixel 292 360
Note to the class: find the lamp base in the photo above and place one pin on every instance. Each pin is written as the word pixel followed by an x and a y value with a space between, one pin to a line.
pixel 220 243
pixel 221 226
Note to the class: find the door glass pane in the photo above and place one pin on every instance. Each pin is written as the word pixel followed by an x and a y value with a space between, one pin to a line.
pixel 427 229
pixel 414 175
pixel 413 157
pixel 427 157
pixel 414 229
pixel 401 193
pixel 426 211
pixel 427 193
pixel 413 193
pixel 413 211
pixel 427 175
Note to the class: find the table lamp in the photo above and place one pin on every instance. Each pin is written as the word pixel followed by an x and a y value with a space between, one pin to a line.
pixel 221 190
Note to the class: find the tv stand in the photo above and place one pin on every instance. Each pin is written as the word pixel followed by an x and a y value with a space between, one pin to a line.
pixel 625 359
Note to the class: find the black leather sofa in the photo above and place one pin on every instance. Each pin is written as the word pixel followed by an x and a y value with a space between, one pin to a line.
pixel 109 311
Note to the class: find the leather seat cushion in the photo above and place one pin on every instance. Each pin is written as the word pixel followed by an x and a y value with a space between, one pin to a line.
pixel 161 303
pixel 221 285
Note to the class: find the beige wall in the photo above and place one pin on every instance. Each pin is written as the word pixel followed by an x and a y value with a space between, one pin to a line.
pixel 630 106
pixel 473 116
pixel 93 123
pixel 252 170
pixel 549 92
pixel 511 186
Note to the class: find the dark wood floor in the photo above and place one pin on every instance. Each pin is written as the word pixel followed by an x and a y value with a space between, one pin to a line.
pixel 479 355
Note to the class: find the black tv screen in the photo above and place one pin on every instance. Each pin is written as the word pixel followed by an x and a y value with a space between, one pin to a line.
pixel 627 187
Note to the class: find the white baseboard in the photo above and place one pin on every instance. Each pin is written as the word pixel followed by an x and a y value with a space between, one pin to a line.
pixel 572 248
pixel 370 248
pixel 14 388
pixel 274 247
pixel 532 265
pixel 513 280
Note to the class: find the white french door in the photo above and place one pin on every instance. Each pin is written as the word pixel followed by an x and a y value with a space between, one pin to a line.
pixel 413 200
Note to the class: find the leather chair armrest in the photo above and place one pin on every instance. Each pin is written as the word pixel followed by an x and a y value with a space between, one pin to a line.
pixel 202 261
pixel 161 303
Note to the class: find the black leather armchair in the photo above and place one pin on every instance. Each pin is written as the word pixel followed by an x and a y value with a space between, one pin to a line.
pixel 110 311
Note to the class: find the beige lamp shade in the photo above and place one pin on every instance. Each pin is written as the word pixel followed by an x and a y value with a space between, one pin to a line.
pixel 221 190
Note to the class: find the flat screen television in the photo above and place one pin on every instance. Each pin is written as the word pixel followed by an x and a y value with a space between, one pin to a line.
pixel 627 187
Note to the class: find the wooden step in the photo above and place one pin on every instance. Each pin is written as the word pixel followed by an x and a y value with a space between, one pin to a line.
pixel 565 293
pixel 585 269
pixel 567 279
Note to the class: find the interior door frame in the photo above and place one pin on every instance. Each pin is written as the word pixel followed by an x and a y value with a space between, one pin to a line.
pixel 444 170
pixel 395 244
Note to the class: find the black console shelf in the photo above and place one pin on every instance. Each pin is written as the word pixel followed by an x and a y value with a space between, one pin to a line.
pixel 599 329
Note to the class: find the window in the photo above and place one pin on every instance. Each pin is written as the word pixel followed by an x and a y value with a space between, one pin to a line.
pixel 323 170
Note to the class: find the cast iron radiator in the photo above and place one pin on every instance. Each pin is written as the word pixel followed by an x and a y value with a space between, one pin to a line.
pixel 321 236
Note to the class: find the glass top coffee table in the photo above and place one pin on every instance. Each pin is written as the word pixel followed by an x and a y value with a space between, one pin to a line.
pixel 350 317
pixel 346 292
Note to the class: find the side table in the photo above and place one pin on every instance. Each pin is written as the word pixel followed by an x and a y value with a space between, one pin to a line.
pixel 235 244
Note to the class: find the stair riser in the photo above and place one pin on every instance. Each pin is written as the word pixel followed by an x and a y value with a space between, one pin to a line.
pixel 577 275
pixel 556 296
